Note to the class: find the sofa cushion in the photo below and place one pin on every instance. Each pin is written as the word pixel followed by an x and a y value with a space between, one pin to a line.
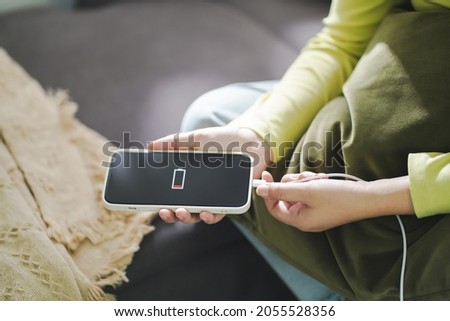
pixel 293 21
pixel 136 67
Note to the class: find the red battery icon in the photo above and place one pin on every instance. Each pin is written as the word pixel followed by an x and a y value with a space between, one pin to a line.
pixel 178 178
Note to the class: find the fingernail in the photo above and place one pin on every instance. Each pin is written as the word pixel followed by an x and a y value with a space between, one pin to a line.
pixel 203 218
pixel 263 190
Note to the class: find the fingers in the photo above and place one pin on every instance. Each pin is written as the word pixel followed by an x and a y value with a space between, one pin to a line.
pixel 267 176
pixel 185 216
pixel 180 214
pixel 183 141
pixel 297 176
pixel 224 140
pixel 297 215
pixel 167 216
pixel 210 218
pixel 282 191
pixel 303 176
pixel 287 212
pixel 290 215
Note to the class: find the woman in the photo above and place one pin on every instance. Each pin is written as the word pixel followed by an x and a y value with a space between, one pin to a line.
pixel 366 97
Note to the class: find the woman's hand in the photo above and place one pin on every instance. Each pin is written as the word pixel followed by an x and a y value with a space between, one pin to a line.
pixel 213 139
pixel 321 204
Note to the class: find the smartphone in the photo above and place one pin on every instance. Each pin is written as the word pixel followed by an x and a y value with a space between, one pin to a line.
pixel 146 180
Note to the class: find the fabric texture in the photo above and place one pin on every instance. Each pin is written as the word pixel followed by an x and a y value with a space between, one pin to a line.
pixel 394 104
pixel 429 180
pixel 57 241
pixel 321 69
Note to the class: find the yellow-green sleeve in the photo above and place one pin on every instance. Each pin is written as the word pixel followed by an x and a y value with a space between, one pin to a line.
pixel 429 178
pixel 317 75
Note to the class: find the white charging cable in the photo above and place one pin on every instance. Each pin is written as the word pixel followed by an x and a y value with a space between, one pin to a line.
pixel 258 182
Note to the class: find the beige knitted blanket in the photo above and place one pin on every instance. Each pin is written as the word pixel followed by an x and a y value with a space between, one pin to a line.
pixel 57 241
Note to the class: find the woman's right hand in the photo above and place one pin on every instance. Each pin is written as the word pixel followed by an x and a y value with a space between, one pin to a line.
pixel 213 139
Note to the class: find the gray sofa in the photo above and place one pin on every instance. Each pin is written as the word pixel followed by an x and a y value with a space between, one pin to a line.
pixel 134 67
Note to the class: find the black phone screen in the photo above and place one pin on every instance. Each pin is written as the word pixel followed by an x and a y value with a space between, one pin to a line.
pixel 178 178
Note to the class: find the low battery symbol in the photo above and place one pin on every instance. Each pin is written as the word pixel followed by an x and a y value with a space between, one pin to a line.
pixel 178 178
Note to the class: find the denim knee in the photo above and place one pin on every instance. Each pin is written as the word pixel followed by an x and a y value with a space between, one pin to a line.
pixel 220 106
pixel 205 110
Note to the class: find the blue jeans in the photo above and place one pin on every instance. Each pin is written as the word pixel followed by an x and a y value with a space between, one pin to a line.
pixel 217 108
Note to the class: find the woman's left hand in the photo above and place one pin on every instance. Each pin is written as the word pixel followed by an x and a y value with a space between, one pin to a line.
pixel 320 204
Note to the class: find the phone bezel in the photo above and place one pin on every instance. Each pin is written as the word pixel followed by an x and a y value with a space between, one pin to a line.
pixel 193 209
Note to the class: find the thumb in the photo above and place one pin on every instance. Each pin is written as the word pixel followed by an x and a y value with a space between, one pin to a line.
pixel 291 192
